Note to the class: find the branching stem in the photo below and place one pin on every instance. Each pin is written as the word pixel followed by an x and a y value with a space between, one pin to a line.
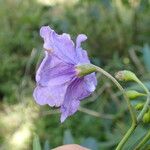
pixel 135 120
pixel 132 113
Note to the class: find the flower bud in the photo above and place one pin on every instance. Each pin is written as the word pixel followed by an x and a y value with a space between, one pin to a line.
pixel 139 106
pixel 126 75
pixel 132 94
pixel 83 70
pixel 146 117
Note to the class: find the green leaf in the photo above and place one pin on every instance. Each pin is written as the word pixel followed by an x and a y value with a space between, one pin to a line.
pixel 46 145
pixel 36 143
pixel 68 138
pixel 90 143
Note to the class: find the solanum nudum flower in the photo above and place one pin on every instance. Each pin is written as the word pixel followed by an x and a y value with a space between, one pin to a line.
pixel 58 81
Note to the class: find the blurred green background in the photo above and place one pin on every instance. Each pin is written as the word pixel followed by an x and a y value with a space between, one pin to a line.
pixel 118 38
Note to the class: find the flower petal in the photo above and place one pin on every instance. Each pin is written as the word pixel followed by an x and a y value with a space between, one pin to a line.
pixel 46 33
pixel 53 71
pixel 81 54
pixel 80 38
pixel 90 82
pixel 61 45
pixel 75 92
pixel 51 95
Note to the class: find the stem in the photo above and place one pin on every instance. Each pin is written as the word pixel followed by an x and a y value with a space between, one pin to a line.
pixel 132 113
pixel 96 114
pixel 126 136
pixel 145 139
pixel 145 108
pixel 142 85
pixel 135 121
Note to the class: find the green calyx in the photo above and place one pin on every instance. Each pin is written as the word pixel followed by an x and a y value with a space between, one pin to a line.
pixel 85 69
pixel 132 94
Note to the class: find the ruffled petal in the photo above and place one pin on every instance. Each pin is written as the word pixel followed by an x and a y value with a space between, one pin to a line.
pixel 51 95
pixel 46 33
pixel 60 45
pixel 80 38
pixel 90 82
pixel 75 92
pixel 81 54
pixel 53 71
pixel 70 110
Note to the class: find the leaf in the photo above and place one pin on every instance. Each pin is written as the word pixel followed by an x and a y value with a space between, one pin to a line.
pixel 46 145
pixel 90 143
pixel 146 56
pixel 36 143
pixel 68 138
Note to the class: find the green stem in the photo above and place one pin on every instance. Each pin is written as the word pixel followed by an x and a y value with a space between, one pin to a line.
pixel 131 110
pixel 135 121
pixel 142 85
pixel 126 136
pixel 146 105
pixel 132 113
pixel 145 108
pixel 145 139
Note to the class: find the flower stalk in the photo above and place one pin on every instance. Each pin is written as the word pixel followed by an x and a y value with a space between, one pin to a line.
pixel 145 108
pixel 131 110
pixel 135 120
pixel 126 136
pixel 145 139
pixel 134 125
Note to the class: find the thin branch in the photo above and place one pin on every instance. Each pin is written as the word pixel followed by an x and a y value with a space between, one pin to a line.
pixel 96 114
pixel 50 112
pixel 145 139
pixel 131 110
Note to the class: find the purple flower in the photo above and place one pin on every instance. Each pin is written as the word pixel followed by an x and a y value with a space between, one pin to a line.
pixel 58 81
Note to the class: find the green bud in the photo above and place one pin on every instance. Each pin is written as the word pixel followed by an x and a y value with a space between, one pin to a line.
pixel 146 117
pixel 139 106
pixel 126 75
pixel 132 94
pixel 83 70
